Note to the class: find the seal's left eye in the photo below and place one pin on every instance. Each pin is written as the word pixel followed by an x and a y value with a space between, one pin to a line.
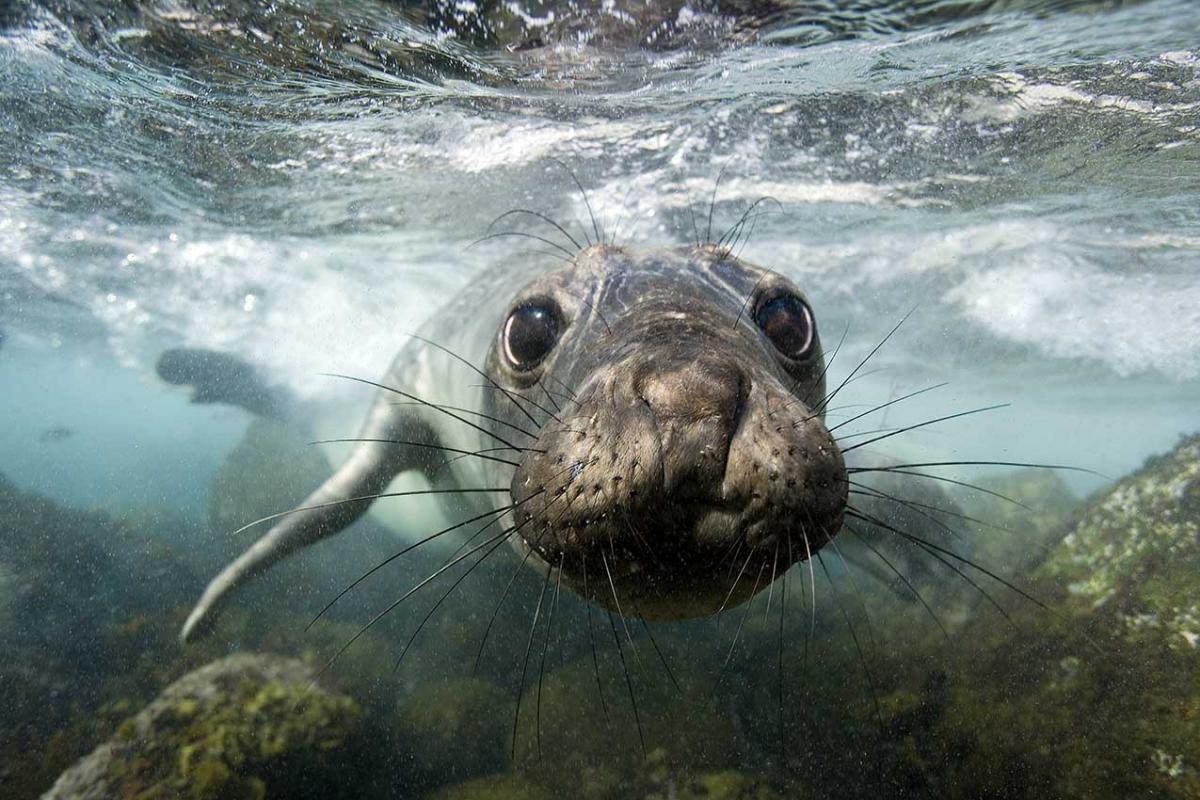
pixel 788 323
pixel 529 334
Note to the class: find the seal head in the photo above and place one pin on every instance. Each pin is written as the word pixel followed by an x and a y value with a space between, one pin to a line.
pixel 688 463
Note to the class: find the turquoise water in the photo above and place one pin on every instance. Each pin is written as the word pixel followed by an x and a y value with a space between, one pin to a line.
pixel 296 183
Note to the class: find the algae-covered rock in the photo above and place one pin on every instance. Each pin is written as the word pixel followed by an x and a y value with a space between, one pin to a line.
pixel 248 726
pixel 1137 549
pixel 1097 695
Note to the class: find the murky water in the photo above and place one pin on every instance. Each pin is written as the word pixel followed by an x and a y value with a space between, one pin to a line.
pixel 301 183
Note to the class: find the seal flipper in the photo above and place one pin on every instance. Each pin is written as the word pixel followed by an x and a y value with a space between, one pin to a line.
pixel 217 377
pixel 327 511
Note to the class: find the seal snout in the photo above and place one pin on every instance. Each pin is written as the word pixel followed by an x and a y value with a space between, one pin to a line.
pixel 697 406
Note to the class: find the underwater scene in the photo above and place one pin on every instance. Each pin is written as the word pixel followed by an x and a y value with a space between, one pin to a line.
pixel 601 399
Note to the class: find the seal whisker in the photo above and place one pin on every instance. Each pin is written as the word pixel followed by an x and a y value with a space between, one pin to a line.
pixel 712 204
pixel 470 540
pixel 820 381
pixel 857 645
pixel 503 596
pixel 570 392
pixel 529 550
pixel 539 215
pixel 962 560
pixel 934 551
pixel 587 596
pixel 882 406
pixel 570 257
pixel 621 216
pixel 537 611
pixel 811 631
pixel 479 372
pixel 617 601
pixel 497 512
pixel 545 651
pixel 771 584
pixel 513 395
pixel 440 447
pixel 729 594
pixel 904 579
pixel 737 633
pixel 1025 464
pixel 424 402
pixel 913 504
pixel 750 296
pixel 637 719
pixel 549 396
pixel 879 495
pixel 362 499
pixel 862 363
pixel 779 664
pixel 925 424
pixel 587 203
pixel 450 461
pixel 396 603
pixel 599 315
pixel 407 645
pixel 745 214
pixel 473 412
pixel 940 479
pixel 661 656
pixel 872 632
pixel 691 207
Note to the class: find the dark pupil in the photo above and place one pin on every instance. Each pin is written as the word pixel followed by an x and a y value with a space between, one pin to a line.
pixel 529 335
pixel 787 323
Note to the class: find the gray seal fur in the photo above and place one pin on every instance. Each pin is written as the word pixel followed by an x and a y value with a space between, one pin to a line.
pixel 661 452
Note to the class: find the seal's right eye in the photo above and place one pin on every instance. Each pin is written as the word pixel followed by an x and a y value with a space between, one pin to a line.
pixel 529 334
pixel 788 323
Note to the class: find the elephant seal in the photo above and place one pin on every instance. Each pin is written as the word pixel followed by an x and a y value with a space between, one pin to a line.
pixel 645 425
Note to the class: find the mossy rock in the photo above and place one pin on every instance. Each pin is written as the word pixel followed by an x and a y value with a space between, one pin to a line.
pixel 1136 549
pixel 248 726
pixel 1097 696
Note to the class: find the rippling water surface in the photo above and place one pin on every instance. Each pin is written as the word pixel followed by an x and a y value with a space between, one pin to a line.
pixel 300 183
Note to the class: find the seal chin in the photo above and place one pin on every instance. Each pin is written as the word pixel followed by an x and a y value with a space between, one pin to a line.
pixel 675 483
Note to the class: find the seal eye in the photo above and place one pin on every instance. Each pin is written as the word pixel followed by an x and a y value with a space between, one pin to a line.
pixel 529 334
pixel 788 323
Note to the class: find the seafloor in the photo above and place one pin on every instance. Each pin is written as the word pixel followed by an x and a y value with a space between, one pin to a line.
pixel 1081 680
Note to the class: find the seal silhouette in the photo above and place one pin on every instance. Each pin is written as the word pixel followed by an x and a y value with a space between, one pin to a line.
pixel 634 420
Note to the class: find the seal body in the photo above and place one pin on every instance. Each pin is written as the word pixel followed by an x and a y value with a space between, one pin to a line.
pixel 648 425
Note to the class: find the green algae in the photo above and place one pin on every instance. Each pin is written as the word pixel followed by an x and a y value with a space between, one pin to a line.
pixel 246 727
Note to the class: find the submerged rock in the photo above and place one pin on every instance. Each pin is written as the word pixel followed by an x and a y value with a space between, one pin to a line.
pixel 652 779
pixel 1135 552
pixel 1097 695
pixel 247 726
